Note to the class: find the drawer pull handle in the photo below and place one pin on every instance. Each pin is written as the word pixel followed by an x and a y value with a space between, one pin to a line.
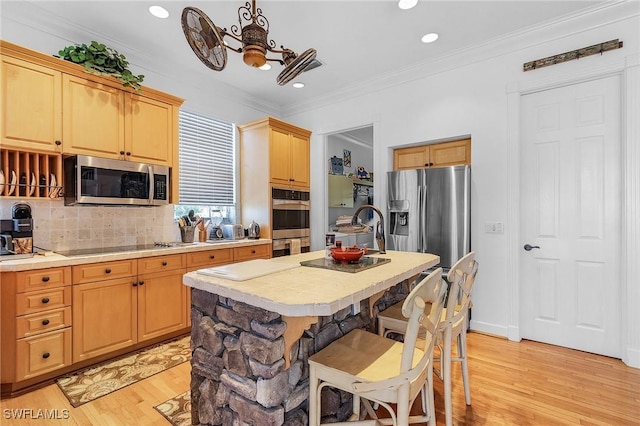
pixel 45 279
pixel 46 355
pixel 45 322
pixel 164 263
pixel 141 283
pixel 45 300
pixel 107 271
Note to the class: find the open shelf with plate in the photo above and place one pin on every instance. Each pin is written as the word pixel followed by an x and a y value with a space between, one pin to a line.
pixel 28 174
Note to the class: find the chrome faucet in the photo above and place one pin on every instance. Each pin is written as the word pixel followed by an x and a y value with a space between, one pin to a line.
pixel 379 227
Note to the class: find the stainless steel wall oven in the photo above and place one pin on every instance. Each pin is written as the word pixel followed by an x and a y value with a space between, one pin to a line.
pixel 290 220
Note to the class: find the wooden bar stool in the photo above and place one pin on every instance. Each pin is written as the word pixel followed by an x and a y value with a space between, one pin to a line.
pixel 383 371
pixel 454 324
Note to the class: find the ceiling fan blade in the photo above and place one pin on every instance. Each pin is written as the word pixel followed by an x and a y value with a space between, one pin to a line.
pixel 297 66
pixel 204 38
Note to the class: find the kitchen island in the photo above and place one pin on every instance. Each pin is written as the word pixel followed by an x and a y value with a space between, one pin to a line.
pixel 251 335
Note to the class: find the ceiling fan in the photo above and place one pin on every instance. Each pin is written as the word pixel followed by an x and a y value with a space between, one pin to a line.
pixel 207 42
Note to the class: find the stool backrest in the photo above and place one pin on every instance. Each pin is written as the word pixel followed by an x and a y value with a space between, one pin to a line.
pixel 423 309
pixel 461 277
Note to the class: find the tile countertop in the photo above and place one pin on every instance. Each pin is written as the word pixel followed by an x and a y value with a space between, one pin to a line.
pixel 56 260
pixel 302 290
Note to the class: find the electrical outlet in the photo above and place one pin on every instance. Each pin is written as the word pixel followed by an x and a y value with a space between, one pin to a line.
pixel 494 227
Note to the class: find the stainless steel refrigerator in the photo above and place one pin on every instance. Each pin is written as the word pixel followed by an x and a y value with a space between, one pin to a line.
pixel 429 211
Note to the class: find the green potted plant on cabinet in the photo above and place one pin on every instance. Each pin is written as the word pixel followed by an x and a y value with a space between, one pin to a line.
pixel 98 59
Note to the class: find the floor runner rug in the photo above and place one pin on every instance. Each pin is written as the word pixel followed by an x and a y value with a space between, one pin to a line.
pixel 177 409
pixel 92 383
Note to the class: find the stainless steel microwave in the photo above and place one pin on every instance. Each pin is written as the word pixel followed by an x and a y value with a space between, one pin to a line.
pixel 93 180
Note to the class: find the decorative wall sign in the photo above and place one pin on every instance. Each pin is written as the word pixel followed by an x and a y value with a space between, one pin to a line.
pixel 574 54
pixel 346 157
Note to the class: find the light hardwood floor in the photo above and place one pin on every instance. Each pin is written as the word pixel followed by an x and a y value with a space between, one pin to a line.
pixel 524 383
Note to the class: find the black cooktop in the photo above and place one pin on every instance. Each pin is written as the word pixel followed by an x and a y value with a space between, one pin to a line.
pixel 365 262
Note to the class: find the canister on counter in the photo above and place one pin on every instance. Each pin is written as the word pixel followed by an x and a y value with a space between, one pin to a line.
pixel 330 242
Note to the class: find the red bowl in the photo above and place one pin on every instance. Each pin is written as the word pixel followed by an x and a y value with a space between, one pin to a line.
pixel 346 255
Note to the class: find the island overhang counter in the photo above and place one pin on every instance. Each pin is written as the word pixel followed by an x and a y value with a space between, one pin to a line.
pixel 251 338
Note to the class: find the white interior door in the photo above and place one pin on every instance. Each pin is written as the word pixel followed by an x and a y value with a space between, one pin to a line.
pixel 570 209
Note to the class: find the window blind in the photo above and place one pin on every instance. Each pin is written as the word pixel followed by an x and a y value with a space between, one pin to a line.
pixel 207 158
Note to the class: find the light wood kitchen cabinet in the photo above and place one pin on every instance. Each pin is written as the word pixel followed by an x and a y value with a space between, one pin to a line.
pixel 261 251
pixel 93 118
pixel 31 97
pixel 53 105
pixel 435 155
pixel 340 191
pixel 276 152
pixel 122 303
pixel 162 304
pixel 36 322
pixel 104 317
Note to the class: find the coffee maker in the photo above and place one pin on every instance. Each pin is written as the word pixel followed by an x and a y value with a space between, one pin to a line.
pixel 16 234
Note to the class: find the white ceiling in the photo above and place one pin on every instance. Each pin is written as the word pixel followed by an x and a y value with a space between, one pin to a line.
pixel 359 42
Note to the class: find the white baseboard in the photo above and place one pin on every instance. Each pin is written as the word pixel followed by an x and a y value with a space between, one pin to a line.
pixel 484 327
pixel 631 357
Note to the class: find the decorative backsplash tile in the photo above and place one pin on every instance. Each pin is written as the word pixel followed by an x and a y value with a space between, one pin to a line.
pixel 60 227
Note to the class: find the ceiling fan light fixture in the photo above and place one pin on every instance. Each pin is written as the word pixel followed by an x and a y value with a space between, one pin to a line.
pixel 407 4
pixel 159 12
pixel 265 67
pixel 429 38
pixel 298 85
pixel 252 32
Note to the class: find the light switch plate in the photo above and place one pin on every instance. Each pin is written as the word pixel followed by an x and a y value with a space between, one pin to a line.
pixel 494 227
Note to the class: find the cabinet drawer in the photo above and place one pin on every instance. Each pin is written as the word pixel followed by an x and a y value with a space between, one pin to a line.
pixel 30 325
pixel 38 301
pixel 103 271
pixel 161 263
pixel 262 251
pixel 202 259
pixel 42 279
pixel 43 353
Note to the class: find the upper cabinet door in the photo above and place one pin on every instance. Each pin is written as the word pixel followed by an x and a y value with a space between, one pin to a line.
pixel 450 153
pixel 93 118
pixel 280 157
pixel 149 128
pixel 300 161
pixel 31 98
pixel 411 158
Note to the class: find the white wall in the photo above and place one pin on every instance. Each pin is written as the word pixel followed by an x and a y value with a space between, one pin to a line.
pixel 472 100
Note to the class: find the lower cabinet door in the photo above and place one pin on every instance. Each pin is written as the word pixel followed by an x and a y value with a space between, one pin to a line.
pixel 43 353
pixel 162 304
pixel 104 317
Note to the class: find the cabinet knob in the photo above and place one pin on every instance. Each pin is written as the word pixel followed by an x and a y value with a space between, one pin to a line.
pixel 128 153
pixel 45 322
pixel 253 252
pixel 121 152
pixel 107 271
pixel 135 284
pixel 45 300
pixel 212 256
pixel 45 279
pixel 164 263
pixel 46 355
pixel 140 282
pixel 58 143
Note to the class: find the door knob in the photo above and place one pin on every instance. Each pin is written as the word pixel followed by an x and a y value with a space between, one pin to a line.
pixel 529 247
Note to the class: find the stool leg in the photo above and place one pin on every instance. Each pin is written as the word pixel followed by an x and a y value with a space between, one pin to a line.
pixel 446 378
pixel 314 398
pixel 462 351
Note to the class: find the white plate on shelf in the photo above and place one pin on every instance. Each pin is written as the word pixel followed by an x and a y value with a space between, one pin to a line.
pixel 53 190
pixel 12 185
pixel 32 185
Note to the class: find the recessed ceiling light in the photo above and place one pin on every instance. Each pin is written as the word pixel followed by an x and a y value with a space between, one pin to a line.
pixel 159 12
pixel 407 4
pixel 298 85
pixel 265 67
pixel 429 38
